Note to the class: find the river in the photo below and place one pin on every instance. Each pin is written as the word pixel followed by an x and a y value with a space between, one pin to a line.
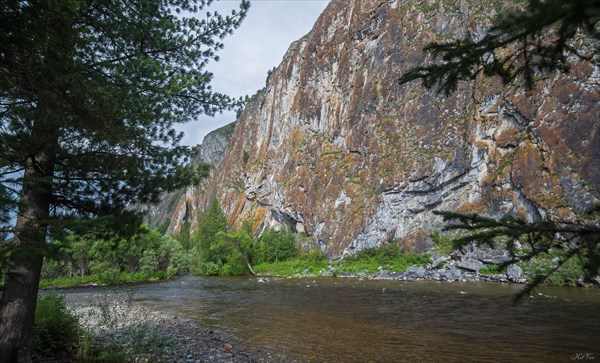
pixel 352 320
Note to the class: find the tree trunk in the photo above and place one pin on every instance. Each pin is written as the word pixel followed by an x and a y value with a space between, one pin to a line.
pixel 21 280
pixel 250 266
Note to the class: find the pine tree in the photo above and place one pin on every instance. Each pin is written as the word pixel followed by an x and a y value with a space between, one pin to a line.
pixel 520 45
pixel 212 222
pixel 89 94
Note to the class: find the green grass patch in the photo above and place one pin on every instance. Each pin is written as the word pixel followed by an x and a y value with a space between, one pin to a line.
pixel 390 258
pixel 55 329
pixel 443 243
pixel 310 263
pixel 492 269
pixel 367 261
pixel 104 279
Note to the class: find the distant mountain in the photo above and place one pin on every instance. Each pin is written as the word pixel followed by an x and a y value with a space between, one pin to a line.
pixel 175 206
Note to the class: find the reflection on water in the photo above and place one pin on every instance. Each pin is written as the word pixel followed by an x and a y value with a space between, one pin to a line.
pixel 347 320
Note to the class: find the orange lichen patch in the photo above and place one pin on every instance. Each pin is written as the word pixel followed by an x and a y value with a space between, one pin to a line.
pixel 536 180
pixel 565 214
pixel 521 213
pixel 238 208
pixel 478 206
pixel 416 242
pixel 508 138
pixel 257 218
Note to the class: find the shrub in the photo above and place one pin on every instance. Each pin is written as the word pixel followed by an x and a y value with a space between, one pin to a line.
pixel 213 221
pixel 229 270
pixel 276 246
pixel 443 243
pixel 149 262
pixel 207 268
pixel 568 274
pixel 492 269
pixel 55 330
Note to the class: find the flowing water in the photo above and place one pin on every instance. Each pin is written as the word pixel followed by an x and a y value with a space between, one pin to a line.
pixel 350 320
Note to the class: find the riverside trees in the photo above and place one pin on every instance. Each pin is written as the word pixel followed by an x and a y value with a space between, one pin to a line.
pixel 89 94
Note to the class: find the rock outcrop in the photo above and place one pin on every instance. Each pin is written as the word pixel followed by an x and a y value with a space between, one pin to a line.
pixel 337 149
pixel 176 207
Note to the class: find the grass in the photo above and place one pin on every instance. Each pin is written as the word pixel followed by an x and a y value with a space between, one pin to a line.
pixel 492 269
pixel 367 261
pixel 389 258
pixel 310 263
pixel 103 279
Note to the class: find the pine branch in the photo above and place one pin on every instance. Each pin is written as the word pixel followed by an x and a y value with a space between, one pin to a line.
pixel 541 35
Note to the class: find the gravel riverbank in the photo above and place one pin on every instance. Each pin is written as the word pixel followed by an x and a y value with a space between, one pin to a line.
pixel 116 322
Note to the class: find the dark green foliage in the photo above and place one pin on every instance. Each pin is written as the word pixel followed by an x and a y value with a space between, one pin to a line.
pixel 91 258
pixel 383 254
pixel 55 330
pixel 276 246
pixel 184 235
pixel 492 269
pixel 110 80
pixel 212 222
pixel 206 268
pixel 90 92
pixel 539 39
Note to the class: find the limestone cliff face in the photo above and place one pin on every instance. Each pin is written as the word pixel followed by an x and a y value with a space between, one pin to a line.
pixel 337 149
pixel 176 207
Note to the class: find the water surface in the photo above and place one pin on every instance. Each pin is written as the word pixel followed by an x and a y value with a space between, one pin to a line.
pixel 349 320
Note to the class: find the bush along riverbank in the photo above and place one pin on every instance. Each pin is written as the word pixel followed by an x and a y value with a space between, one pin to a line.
pixel 442 264
pixel 217 249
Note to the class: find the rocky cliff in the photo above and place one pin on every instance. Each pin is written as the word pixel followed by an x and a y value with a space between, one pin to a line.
pixel 338 150
pixel 176 207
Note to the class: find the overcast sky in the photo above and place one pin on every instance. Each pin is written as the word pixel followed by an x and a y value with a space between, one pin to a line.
pixel 255 47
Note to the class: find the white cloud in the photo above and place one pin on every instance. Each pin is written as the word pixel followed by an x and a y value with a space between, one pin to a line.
pixel 255 47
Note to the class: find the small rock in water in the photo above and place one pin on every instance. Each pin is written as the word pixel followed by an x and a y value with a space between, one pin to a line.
pixel 228 347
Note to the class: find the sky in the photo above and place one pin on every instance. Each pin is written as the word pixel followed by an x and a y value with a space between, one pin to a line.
pixel 255 47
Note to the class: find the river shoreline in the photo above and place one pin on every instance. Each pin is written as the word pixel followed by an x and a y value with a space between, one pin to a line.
pixel 114 319
pixel 182 339
pixel 230 319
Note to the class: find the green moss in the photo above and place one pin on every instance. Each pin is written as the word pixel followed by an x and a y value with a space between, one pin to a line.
pixel 506 162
